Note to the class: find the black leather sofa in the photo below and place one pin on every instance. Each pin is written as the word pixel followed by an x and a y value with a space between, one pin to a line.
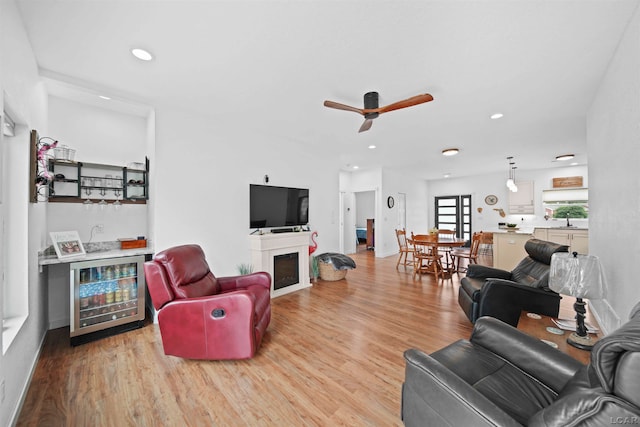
pixel 487 291
pixel 503 377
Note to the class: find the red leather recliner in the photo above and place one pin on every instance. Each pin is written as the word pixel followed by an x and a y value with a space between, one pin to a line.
pixel 204 317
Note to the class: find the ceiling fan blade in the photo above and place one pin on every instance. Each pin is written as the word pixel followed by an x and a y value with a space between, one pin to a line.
pixel 366 125
pixel 409 102
pixel 339 106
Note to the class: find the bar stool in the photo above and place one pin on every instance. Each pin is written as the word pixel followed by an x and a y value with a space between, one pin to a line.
pixel 486 244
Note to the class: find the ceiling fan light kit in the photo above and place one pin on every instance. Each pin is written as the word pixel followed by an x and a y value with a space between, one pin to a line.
pixel 372 109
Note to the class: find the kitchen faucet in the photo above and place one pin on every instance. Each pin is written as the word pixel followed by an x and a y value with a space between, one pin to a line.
pixel 568 225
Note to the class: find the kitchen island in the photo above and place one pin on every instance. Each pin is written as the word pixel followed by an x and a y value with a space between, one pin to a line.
pixel 508 247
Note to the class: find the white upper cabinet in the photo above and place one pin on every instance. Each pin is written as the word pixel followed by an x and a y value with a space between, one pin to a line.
pixel 521 202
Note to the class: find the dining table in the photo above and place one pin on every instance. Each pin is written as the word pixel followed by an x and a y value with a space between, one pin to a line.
pixel 436 242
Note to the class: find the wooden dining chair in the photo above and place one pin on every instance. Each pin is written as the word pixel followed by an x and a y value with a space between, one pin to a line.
pixel 447 234
pixel 446 250
pixel 405 249
pixel 426 257
pixel 470 253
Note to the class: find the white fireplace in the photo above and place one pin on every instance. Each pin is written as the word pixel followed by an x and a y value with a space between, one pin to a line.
pixel 283 249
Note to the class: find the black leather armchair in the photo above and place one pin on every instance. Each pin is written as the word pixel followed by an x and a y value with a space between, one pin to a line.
pixel 487 291
pixel 503 377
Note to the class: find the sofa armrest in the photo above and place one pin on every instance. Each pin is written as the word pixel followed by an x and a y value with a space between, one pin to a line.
pixel 544 363
pixel 479 271
pixel 193 328
pixel 433 395
pixel 592 407
pixel 505 299
pixel 231 283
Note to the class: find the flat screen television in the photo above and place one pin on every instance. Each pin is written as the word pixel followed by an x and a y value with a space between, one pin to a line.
pixel 271 206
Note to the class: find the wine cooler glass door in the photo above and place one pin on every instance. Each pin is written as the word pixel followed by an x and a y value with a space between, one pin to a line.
pixel 106 293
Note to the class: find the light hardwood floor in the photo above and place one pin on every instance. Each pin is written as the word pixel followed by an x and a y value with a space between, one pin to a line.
pixel 332 356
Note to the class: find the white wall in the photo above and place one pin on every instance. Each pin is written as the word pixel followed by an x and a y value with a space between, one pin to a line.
pixel 100 136
pixel 387 183
pixel 481 186
pixel 21 89
pixel 418 209
pixel 202 171
pixel 613 142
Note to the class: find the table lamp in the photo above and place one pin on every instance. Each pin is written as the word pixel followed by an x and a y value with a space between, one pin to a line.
pixel 580 276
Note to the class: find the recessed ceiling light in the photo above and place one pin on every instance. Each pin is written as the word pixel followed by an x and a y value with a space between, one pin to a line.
pixel 104 97
pixel 497 116
pixel 450 152
pixel 372 147
pixel 447 175
pixel 356 167
pixel 564 157
pixel 141 54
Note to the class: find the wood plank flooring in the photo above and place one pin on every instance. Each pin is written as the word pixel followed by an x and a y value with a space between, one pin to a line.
pixel 332 355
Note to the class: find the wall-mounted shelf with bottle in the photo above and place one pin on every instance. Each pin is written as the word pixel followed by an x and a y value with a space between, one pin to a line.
pixel 135 184
pixel 82 182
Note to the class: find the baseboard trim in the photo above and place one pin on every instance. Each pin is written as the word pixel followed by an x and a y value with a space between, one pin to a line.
pixel 60 323
pixel 605 315
pixel 27 384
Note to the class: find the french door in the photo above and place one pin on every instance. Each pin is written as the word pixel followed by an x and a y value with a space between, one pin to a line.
pixel 454 213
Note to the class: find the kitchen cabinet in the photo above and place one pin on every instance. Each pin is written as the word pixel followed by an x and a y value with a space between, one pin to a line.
pixel 521 202
pixel 540 233
pixel 577 240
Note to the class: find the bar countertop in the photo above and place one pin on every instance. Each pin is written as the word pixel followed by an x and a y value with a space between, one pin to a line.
pixel 94 251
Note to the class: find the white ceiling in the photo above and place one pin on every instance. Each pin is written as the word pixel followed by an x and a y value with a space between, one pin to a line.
pixel 269 65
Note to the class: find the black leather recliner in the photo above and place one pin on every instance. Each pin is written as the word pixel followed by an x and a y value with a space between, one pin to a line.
pixel 487 291
pixel 503 377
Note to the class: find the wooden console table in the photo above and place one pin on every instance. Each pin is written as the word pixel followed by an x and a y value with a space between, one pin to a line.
pixel 538 328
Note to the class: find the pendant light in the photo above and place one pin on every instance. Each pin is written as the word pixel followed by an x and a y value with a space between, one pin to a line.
pixel 514 187
pixel 511 183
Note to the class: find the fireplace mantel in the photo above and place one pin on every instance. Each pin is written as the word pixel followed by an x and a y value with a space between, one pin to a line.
pixel 264 247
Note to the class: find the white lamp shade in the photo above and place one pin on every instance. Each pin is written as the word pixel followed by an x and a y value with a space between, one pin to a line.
pixel 580 276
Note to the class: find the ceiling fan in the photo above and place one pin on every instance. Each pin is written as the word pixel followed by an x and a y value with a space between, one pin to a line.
pixel 371 109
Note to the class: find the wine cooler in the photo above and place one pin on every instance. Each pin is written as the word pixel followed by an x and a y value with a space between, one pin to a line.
pixel 107 295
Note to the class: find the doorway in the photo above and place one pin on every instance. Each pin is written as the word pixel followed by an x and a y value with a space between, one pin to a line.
pixel 454 213
pixel 365 213
pixel 402 211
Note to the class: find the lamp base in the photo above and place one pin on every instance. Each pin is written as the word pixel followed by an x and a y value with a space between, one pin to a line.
pixel 583 343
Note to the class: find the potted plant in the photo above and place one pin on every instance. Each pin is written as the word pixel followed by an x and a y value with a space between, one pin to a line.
pixel 245 269
pixel 315 269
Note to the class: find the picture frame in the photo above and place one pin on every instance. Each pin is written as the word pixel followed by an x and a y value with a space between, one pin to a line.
pixel 67 244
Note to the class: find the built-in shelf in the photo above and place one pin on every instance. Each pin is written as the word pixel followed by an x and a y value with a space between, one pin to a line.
pixel 77 182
